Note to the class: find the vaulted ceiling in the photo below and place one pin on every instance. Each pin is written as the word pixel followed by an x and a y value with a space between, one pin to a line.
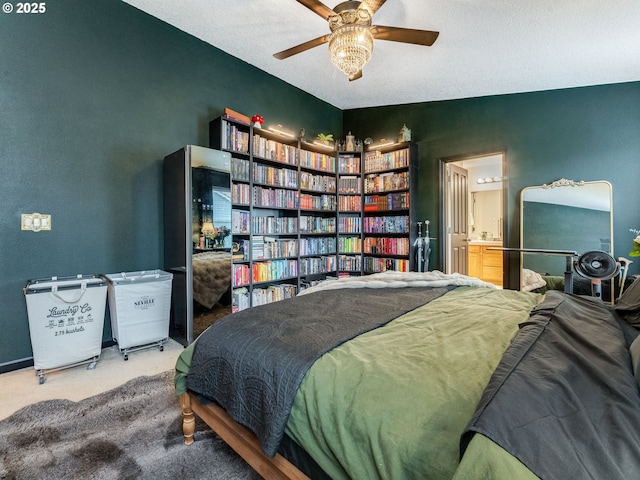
pixel 486 47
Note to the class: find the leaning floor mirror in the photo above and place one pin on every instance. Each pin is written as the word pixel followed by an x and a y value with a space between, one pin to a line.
pixel 565 216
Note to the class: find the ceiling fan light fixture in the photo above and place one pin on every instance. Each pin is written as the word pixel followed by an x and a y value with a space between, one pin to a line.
pixel 350 48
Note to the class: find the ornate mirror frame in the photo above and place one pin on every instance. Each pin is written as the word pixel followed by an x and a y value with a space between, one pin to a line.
pixel 565 215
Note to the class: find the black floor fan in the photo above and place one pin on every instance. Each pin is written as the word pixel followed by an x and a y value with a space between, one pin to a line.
pixel 596 266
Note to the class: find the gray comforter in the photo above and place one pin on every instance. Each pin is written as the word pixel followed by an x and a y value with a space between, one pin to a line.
pixel 252 362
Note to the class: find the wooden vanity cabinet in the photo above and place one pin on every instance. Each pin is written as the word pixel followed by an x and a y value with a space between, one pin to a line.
pixel 485 264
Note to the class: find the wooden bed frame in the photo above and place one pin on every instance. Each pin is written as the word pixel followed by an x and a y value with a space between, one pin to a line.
pixel 239 438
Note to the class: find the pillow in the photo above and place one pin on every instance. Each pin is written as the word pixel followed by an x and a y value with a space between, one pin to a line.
pixel 628 305
pixel 531 280
pixel 634 350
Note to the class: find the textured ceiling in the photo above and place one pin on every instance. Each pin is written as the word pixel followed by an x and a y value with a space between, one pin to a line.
pixel 486 47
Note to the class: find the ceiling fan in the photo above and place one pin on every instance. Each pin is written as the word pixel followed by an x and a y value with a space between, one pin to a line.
pixel 352 34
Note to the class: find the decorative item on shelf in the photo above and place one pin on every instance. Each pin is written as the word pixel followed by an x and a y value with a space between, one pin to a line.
pixel 350 143
pixel 324 140
pixel 257 120
pixel 301 134
pixel 405 134
pixel 368 141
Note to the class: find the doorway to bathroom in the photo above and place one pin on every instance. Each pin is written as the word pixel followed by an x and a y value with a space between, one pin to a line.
pixel 474 215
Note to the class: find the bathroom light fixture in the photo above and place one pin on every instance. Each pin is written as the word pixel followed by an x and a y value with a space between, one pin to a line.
pixel 488 180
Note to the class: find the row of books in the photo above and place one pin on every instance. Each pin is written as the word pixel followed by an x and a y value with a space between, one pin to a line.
pixel 240 169
pixel 273 293
pixel 391 201
pixel 315 265
pixel 386 182
pixel 318 202
pixel 317 246
pixel 387 224
pixel 278 177
pixel 313 224
pixel 350 244
pixel 349 203
pixel 240 222
pixel 275 151
pixel 240 275
pixel 349 184
pixel 350 263
pixel 386 246
pixel 317 161
pixel 241 299
pixel 235 139
pixel 350 225
pixel 375 161
pixel 272 270
pixel 319 183
pixel 268 247
pixel 375 264
pixel 348 164
pixel 275 198
pixel 309 282
pixel 240 193
pixel 271 225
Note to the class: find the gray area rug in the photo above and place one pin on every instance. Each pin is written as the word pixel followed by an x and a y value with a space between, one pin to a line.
pixel 131 432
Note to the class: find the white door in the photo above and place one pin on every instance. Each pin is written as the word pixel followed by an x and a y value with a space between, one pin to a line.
pixel 457 218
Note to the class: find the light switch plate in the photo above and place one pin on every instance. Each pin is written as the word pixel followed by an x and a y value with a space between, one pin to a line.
pixel 35 222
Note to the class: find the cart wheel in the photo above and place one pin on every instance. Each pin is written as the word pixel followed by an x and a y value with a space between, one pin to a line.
pixel 41 380
pixel 126 357
pixel 162 348
pixel 91 366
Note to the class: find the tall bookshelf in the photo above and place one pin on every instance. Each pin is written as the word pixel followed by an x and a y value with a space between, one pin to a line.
pixel 389 186
pixel 284 212
pixel 303 212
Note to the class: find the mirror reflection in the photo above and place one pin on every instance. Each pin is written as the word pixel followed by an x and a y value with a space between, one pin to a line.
pixel 565 215
pixel 211 238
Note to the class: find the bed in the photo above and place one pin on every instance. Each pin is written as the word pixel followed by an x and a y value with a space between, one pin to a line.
pixel 211 277
pixel 435 376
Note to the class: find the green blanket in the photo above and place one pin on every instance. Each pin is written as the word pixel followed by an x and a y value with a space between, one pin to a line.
pixel 431 364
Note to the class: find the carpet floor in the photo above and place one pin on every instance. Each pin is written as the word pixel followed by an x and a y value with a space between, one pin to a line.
pixel 133 431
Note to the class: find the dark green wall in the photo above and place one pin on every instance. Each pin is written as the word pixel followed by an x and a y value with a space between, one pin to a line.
pixel 93 95
pixel 590 133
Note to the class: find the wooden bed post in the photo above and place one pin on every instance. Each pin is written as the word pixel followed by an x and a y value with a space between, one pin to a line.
pixel 188 419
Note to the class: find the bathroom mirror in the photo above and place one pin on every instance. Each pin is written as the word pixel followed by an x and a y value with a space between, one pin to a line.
pixel 564 215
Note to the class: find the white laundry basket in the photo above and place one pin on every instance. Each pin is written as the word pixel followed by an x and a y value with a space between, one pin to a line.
pixel 140 307
pixel 66 321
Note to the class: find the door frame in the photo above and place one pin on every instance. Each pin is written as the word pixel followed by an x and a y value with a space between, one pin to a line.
pixel 506 241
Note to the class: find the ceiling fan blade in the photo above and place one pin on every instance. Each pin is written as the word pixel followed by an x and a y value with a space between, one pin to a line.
pixel 318 7
pixel 372 5
pixel 302 47
pixel 355 76
pixel 405 35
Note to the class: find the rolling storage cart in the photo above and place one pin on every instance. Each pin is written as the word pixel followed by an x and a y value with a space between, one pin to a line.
pixel 66 321
pixel 140 306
